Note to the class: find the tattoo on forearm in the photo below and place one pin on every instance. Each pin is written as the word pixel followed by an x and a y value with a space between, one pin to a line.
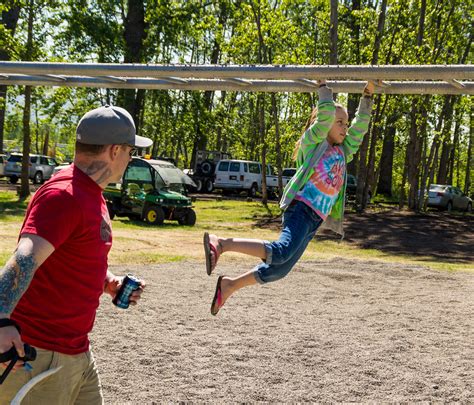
pixel 15 279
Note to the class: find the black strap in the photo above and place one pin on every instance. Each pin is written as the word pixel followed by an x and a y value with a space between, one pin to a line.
pixel 9 322
pixel 12 355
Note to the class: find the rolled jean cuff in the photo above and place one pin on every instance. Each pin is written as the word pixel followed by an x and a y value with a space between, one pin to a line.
pixel 257 276
pixel 269 252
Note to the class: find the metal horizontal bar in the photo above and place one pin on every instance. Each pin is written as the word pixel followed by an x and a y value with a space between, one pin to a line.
pixel 455 83
pixel 113 79
pixel 240 82
pixel 174 80
pixel 55 78
pixel 307 82
pixel 284 72
pixel 254 85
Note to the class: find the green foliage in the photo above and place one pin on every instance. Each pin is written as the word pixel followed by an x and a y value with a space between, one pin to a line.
pixel 237 32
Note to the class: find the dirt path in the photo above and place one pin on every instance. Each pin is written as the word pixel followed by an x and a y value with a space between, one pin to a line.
pixel 332 331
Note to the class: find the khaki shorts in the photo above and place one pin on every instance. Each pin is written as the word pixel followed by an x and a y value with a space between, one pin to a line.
pixel 76 383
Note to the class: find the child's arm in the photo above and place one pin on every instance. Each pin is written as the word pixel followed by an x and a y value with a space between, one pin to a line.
pixel 318 131
pixel 360 126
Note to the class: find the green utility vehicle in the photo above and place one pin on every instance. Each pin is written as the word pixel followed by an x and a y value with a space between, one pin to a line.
pixel 151 190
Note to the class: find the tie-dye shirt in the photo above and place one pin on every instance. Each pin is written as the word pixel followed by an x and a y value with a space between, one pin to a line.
pixel 322 189
pixel 313 146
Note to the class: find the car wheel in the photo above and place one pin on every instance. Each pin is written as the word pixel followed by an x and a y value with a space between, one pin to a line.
pixel 13 179
pixel 38 179
pixel 469 207
pixel 198 185
pixel 154 215
pixel 209 186
pixel 449 207
pixel 111 210
pixel 252 191
pixel 188 219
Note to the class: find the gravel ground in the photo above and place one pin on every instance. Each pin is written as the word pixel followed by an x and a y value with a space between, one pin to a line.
pixel 332 331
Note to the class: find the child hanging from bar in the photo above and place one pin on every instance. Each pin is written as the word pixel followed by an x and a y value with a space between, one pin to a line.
pixel 314 196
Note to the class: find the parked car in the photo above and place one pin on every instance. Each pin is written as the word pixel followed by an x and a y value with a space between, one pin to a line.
pixel 151 190
pixel 61 167
pixel 3 161
pixel 244 175
pixel 41 167
pixel 288 172
pixel 446 197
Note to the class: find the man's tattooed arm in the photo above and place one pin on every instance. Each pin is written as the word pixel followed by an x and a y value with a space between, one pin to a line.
pixel 17 274
pixel 15 279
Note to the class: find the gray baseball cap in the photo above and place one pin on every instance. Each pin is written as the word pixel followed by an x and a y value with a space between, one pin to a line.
pixel 109 125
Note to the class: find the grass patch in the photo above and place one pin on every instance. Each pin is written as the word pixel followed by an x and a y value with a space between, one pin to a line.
pixel 11 208
pixel 138 243
pixel 139 258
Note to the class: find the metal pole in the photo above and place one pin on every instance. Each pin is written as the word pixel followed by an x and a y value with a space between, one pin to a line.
pixel 306 86
pixel 288 72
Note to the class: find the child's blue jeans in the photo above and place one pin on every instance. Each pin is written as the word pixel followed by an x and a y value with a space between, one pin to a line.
pixel 300 223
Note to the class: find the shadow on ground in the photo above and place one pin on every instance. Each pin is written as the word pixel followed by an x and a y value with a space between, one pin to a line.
pixel 449 237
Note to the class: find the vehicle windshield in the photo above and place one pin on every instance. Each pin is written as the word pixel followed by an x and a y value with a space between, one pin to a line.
pixel 172 175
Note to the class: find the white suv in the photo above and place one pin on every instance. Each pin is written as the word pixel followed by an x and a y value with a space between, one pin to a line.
pixel 243 175
pixel 41 167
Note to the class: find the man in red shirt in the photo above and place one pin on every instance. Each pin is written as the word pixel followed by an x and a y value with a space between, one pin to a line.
pixel 51 285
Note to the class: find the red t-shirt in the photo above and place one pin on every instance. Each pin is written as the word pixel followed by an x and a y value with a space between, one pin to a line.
pixel 58 310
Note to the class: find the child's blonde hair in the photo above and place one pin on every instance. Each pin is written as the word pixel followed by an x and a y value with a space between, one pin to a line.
pixel 309 122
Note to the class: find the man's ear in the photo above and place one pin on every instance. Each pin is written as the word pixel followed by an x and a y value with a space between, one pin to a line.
pixel 113 151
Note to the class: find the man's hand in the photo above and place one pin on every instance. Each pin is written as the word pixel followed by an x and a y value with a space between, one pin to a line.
pixel 113 284
pixel 9 337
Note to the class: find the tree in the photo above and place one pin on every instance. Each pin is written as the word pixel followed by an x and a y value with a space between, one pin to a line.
pixel 10 15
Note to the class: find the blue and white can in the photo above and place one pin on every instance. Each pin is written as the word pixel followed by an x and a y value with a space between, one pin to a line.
pixel 129 284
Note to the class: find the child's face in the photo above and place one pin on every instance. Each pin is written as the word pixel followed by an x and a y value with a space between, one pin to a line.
pixel 338 131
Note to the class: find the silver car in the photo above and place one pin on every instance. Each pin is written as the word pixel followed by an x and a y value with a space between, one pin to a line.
pixel 41 167
pixel 448 197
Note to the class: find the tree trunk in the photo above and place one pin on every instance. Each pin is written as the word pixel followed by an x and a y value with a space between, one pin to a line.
pixel 432 162
pixel 262 57
pixel 25 185
pixel 333 36
pixel 353 99
pixel 277 143
pixel 386 160
pixel 366 168
pixel 453 162
pixel 9 21
pixel 135 32
pixel 413 153
pixel 333 33
pixel 201 140
pixel 44 149
pixel 470 156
